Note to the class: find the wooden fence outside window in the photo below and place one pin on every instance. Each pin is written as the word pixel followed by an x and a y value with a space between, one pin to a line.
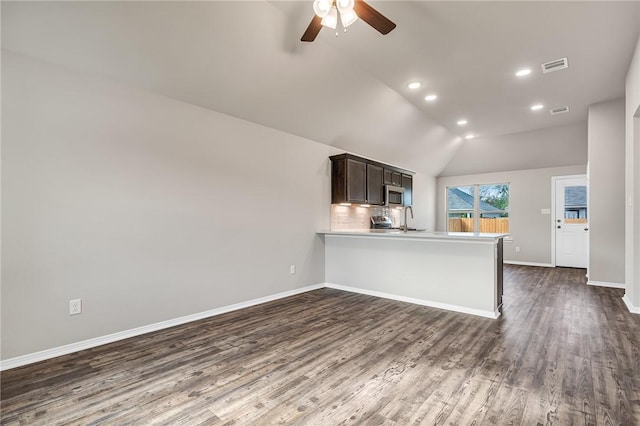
pixel 498 225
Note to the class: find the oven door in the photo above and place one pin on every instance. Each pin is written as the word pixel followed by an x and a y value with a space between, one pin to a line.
pixel 393 196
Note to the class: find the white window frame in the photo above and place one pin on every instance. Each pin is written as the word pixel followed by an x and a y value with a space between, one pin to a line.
pixel 476 202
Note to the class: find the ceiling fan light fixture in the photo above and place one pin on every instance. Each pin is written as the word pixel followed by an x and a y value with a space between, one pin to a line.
pixel 348 17
pixel 331 20
pixel 345 5
pixel 326 14
pixel 322 7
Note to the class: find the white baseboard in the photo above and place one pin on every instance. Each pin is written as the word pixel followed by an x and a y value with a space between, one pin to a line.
pixel 517 262
pixel 446 306
pixel 632 309
pixel 98 341
pixel 605 284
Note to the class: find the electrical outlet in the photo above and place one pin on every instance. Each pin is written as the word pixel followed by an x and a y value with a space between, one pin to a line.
pixel 75 306
pixel 292 269
pixel 517 249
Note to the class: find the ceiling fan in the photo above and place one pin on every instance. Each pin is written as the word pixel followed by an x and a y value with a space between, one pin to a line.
pixel 327 11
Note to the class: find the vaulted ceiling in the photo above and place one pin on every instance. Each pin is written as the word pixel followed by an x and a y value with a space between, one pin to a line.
pixel 245 59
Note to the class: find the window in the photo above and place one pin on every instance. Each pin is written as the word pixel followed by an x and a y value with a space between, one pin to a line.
pixel 478 208
pixel 575 204
pixel 460 208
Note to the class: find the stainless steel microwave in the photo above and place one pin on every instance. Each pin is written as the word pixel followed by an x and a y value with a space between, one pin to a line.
pixel 393 196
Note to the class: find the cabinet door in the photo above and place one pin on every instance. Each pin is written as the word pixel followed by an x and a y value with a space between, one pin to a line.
pixel 375 185
pixel 396 179
pixel 387 177
pixel 391 177
pixel 356 181
pixel 407 184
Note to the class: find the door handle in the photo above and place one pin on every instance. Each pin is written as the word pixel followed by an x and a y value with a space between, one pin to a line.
pixel 586 229
pixel 559 226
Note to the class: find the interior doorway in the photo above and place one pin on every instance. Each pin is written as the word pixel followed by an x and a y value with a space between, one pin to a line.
pixel 571 221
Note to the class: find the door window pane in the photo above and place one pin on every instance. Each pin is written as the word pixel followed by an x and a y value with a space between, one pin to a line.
pixel 575 204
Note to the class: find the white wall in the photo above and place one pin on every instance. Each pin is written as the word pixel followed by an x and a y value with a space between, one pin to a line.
pixel 529 193
pixel 553 147
pixel 424 202
pixel 606 192
pixel 632 183
pixel 146 208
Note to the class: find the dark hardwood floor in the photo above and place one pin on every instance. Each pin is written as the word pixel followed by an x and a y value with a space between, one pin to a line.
pixel 562 353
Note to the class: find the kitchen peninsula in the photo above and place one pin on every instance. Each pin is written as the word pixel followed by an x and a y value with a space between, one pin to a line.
pixel 455 271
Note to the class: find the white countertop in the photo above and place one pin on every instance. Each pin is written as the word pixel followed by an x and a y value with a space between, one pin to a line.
pixel 424 235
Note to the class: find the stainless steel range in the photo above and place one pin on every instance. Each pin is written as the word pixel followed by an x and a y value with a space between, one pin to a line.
pixel 381 222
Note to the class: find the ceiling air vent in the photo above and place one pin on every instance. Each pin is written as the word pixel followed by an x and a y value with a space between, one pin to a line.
pixel 559 110
pixel 557 65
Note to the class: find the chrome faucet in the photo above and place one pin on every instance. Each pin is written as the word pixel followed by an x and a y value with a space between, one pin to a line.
pixel 404 227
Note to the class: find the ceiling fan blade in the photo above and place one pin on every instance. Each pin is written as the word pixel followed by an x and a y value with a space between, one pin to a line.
pixel 372 17
pixel 313 29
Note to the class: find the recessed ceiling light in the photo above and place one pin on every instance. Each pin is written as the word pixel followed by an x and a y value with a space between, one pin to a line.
pixel 414 85
pixel 537 107
pixel 430 98
pixel 462 122
pixel 469 136
pixel 523 72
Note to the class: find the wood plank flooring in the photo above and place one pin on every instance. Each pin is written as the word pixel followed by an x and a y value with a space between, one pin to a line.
pixel 562 353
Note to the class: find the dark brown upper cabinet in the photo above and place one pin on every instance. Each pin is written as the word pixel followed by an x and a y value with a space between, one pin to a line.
pixel 375 185
pixel 348 180
pixel 357 181
pixel 361 181
pixel 392 177
pixel 407 184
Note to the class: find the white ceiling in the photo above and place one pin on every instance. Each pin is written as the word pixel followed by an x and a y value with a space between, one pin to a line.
pixel 244 58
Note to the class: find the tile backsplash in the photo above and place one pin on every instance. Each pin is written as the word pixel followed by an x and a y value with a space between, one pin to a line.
pixel 356 217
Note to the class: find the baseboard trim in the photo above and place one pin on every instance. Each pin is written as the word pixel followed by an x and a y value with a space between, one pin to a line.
pixel 446 306
pixel 110 338
pixel 632 309
pixel 605 284
pixel 517 262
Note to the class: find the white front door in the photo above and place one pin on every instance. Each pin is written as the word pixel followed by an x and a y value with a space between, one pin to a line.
pixel 571 222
